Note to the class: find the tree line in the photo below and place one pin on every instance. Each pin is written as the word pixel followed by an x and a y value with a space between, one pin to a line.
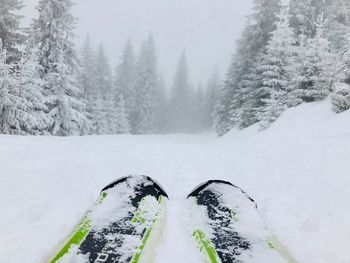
pixel 288 54
pixel 48 87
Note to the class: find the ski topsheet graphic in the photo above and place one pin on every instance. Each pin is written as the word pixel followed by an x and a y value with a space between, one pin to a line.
pixel 228 229
pixel 123 226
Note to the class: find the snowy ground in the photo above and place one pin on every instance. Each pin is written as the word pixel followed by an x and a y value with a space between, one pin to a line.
pixel 297 171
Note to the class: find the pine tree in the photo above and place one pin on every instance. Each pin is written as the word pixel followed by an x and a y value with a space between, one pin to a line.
pixel 341 95
pixel 316 68
pixel 120 120
pixel 30 108
pixel 211 96
pixel 162 112
pixel 143 120
pixel 103 74
pixel 302 17
pixel 11 34
pixel 7 99
pixel 53 32
pixel 87 76
pixel 337 16
pixel 99 122
pixel 180 98
pixel 67 112
pixel 125 80
pixel 52 35
pixel 229 108
pixel 276 69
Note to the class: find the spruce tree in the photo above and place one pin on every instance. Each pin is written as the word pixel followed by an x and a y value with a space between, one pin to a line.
pixel 143 120
pixel 67 111
pixel 7 99
pixel 125 80
pixel 255 36
pixel 211 96
pixel 52 34
pixel 277 68
pixel 30 107
pixel 120 118
pixel 180 100
pixel 302 17
pixel 87 76
pixel 11 34
pixel 341 95
pixel 316 66
pixel 103 74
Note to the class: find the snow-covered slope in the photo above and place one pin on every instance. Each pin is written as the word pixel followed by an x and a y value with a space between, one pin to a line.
pixel 297 171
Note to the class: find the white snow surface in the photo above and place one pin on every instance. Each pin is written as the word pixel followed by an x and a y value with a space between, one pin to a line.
pixel 297 171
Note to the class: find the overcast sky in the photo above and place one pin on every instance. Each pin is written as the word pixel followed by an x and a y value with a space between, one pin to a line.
pixel 206 29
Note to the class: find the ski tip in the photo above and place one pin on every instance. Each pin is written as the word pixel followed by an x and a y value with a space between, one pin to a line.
pixel 204 185
pixel 143 177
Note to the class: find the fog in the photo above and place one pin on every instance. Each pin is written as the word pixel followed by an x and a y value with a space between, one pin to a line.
pixel 206 29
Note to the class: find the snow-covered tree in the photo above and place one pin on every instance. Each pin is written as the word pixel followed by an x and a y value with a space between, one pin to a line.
pixel 30 110
pixel 125 79
pixel 255 36
pixel 103 74
pixel 316 68
pixel 66 110
pixel 302 17
pixel 276 69
pixel 87 76
pixel 211 96
pixel 162 111
pixel 143 119
pixel 52 34
pixel 341 95
pixel 337 13
pixel 10 32
pixel 99 123
pixel 117 117
pixel 180 100
pixel 7 99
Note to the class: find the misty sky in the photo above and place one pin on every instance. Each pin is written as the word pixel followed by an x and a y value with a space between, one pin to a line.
pixel 206 29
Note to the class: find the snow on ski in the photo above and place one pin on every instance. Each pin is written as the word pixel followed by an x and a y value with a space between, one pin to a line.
pixel 228 229
pixel 124 225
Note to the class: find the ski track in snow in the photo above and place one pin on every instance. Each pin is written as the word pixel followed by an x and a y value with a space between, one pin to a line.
pixel 297 172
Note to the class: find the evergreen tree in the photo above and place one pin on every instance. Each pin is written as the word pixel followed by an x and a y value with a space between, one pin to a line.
pixel 30 109
pixel 52 35
pixel 276 69
pixel 53 32
pixel 341 96
pixel 87 77
pixel 7 99
pixel 143 119
pixel 337 16
pixel 103 74
pixel 67 112
pixel 211 93
pixel 99 122
pixel 119 118
pixel 125 80
pixel 302 17
pixel 162 111
pixel 10 32
pixel 180 98
pixel 315 67
pixel 255 36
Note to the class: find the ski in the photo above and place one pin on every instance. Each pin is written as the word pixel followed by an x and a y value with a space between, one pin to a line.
pixel 123 226
pixel 227 228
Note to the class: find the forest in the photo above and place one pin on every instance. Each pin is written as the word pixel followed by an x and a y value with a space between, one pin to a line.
pixel 288 54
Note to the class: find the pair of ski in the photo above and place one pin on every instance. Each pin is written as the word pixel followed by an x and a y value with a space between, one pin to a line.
pixel 126 223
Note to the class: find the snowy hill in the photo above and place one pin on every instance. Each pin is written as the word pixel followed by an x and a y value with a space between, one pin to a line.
pixel 297 171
